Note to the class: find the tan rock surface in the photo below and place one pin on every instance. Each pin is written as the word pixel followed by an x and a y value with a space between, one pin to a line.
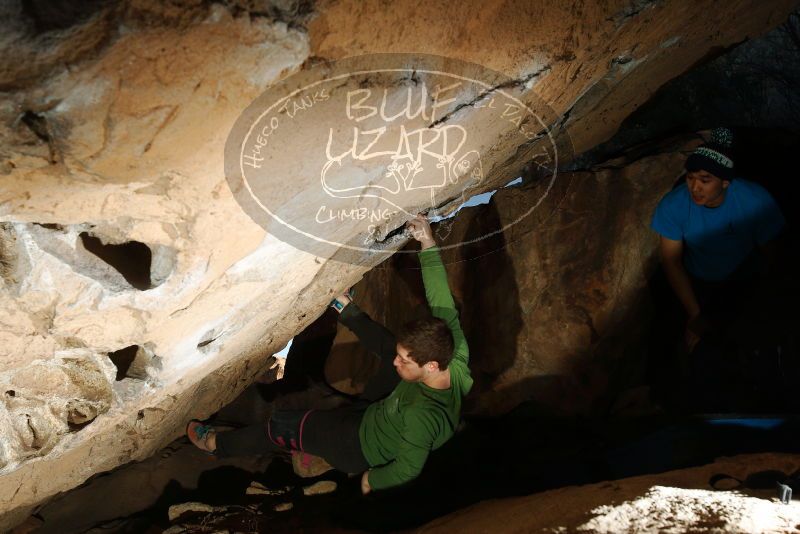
pixel 598 60
pixel 138 160
pixel 112 132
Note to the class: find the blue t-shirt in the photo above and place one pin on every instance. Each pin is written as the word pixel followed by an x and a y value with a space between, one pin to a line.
pixel 717 240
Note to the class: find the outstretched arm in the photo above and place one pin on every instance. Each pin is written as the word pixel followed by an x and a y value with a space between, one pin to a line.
pixel 437 290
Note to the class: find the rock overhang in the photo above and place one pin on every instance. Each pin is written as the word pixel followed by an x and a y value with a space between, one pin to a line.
pixel 126 146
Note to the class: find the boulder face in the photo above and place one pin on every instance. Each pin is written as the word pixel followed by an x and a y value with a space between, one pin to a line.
pixel 593 63
pixel 136 290
pixel 553 307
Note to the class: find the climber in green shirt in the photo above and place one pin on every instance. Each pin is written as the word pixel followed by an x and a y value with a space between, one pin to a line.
pixel 409 408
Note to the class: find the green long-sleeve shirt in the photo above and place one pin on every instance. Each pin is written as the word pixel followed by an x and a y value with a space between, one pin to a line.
pixel 398 432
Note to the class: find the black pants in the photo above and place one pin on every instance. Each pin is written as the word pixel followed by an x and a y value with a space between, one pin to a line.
pixel 330 434
pixel 685 380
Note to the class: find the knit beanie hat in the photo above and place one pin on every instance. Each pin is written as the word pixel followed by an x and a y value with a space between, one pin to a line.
pixel 713 156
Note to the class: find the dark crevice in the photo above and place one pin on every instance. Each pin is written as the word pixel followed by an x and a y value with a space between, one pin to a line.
pixel 132 259
pixel 75 427
pixel 37 123
pixel 205 343
pixel 53 15
pixel 394 233
pixel 131 362
pixel 295 14
pixel 485 94
pixel 37 441
pixel 208 338
pixel 123 360
pixel 51 226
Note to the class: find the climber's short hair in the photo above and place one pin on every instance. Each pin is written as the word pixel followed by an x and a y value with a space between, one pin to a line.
pixel 427 340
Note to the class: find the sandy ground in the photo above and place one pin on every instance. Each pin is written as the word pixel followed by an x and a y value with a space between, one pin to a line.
pixel 676 501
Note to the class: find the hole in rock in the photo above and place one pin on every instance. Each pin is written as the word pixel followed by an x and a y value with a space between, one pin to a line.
pixel 132 259
pixel 37 124
pixel 210 338
pixel 11 393
pixel 123 360
pixel 50 226
pixel 75 427
pixel 131 362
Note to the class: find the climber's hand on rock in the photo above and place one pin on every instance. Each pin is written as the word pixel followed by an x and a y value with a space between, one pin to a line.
pixel 420 228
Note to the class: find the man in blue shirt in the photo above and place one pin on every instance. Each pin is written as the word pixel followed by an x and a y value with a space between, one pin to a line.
pixel 710 226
